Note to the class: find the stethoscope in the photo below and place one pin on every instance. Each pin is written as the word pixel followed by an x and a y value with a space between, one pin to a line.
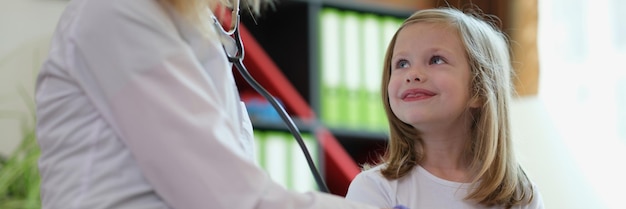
pixel 237 60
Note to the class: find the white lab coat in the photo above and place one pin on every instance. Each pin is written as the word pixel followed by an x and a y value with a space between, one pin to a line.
pixel 136 109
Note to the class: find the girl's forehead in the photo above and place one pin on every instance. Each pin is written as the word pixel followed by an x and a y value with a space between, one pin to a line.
pixel 429 27
pixel 427 33
pixel 427 38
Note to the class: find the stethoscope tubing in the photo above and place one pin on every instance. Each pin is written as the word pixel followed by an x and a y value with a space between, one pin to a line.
pixel 237 61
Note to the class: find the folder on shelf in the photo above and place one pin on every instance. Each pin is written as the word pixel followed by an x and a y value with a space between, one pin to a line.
pixel 280 155
pixel 302 179
pixel 275 157
pixel 330 68
pixel 351 65
pixel 259 152
pixel 372 69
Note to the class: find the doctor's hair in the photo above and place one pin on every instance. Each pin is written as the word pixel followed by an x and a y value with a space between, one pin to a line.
pixel 497 177
pixel 196 10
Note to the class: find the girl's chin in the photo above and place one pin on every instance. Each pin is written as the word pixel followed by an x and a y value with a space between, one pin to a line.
pixel 414 120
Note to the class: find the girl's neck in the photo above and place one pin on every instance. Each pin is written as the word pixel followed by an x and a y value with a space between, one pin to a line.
pixel 445 146
pixel 445 156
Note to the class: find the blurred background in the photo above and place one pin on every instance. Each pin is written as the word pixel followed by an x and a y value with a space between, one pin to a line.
pixel 569 120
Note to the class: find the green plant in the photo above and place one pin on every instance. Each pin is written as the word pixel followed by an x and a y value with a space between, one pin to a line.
pixel 19 174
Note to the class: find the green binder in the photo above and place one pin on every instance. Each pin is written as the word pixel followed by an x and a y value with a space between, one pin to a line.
pixel 330 72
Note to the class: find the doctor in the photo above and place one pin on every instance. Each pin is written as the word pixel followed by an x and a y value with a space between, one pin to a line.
pixel 137 108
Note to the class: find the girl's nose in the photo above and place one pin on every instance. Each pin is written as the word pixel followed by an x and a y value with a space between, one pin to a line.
pixel 413 78
pixel 414 75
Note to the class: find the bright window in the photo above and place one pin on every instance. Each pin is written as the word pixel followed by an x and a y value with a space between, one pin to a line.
pixel 582 50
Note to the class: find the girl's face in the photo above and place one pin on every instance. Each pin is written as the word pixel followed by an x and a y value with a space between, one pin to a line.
pixel 430 77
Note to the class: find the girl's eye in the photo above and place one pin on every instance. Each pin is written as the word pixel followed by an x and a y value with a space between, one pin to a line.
pixel 436 60
pixel 402 64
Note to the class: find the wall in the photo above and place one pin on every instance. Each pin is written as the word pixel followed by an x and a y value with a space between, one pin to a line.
pixel 544 150
pixel 26 27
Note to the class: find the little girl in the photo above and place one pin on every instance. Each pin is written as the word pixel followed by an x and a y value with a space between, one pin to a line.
pixel 446 89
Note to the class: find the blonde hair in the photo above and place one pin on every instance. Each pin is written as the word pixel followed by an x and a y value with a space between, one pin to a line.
pixel 498 179
pixel 196 10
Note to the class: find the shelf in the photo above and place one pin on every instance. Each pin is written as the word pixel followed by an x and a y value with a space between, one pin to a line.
pixel 302 125
pixel 359 135
pixel 378 7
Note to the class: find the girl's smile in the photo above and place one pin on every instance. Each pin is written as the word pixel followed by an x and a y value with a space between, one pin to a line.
pixel 416 95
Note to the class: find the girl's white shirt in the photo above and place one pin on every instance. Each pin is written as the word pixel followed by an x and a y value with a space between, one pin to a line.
pixel 137 109
pixel 418 189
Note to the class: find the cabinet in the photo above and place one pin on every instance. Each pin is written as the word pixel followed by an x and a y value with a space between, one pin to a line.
pixel 283 54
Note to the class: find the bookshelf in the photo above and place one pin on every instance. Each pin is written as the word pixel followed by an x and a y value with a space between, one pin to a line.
pixel 282 53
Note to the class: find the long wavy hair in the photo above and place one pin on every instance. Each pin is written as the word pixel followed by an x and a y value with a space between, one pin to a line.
pixel 498 179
